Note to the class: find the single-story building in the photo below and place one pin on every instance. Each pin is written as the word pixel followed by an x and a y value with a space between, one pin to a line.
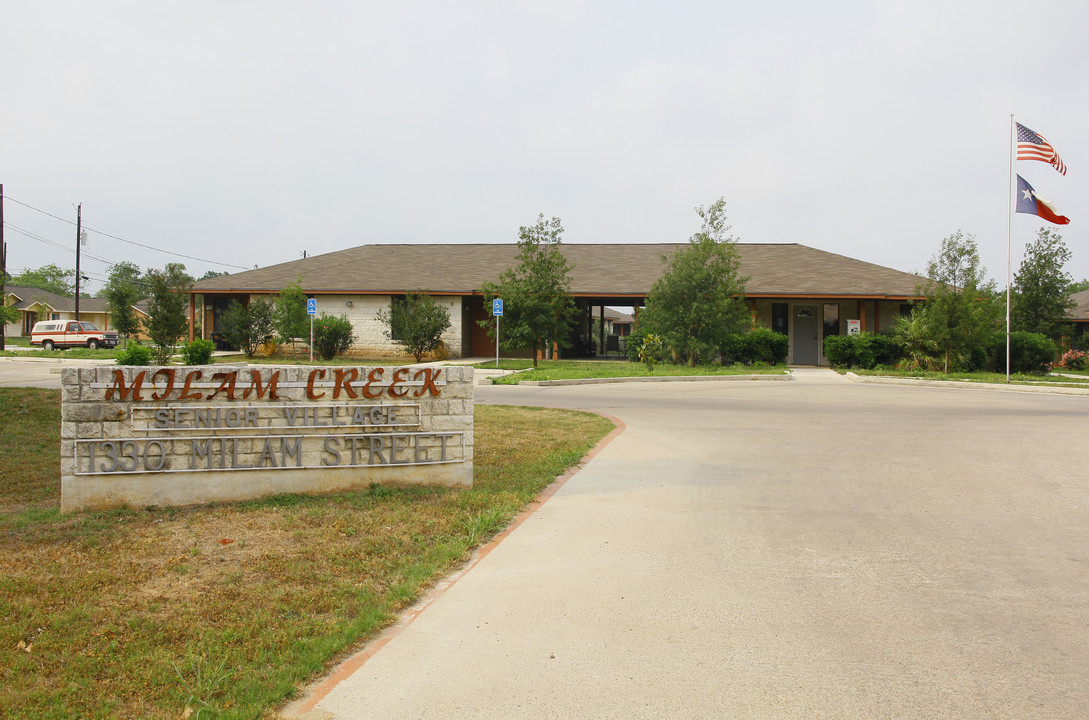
pixel 804 293
pixel 37 304
pixel 1079 314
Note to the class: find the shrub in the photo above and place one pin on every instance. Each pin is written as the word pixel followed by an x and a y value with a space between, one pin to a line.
pixel 650 351
pixel 865 351
pixel 1074 360
pixel 634 344
pixel 332 335
pixel 886 349
pixel 134 354
pixel 761 345
pixel 198 352
pixel 841 351
pixel 1030 353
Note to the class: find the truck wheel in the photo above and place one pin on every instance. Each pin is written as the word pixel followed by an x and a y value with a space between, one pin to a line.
pixel 47 345
pixel 92 344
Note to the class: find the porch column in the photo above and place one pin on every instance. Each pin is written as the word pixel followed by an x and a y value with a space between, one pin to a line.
pixel 862 315
pixel 601 330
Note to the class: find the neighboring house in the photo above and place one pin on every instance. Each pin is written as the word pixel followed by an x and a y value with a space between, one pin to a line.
pixel 616 322
pixel 804 293
pixel 1079 314
pixel 37 304
pixel 614 326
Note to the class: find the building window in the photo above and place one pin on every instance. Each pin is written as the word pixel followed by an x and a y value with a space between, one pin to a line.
pixel 905 310
pixel 396 314
pixel 780 313
pixel 831 319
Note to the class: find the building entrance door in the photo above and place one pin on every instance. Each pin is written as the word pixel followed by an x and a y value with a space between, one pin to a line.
pixel 805 334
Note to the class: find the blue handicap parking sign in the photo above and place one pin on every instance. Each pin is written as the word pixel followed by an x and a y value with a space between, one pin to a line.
pixel 311 306
pixel 497 306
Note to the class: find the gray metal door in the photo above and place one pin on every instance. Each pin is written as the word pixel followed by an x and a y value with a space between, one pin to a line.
pixel 805 334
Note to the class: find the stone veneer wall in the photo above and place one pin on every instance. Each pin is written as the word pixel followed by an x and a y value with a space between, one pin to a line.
pixel 370 339
pixel 320 433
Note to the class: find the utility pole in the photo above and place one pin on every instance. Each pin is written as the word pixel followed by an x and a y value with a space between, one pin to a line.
pixel 3 266
pixel 79 227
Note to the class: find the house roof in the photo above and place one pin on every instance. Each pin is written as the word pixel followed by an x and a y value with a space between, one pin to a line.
pixel 599 270
pixel 1080 311
pixel 28 296
pixel 610 314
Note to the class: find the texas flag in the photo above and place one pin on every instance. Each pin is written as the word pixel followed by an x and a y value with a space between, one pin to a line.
pixel 1031 203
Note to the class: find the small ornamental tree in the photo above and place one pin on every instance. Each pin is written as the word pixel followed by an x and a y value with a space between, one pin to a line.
pixel 166 323
pixel 290 317
pixel 539 310
pixel 699 299
pixel 247 327
pixel 122 292
pixel 416 323
pixel 957 316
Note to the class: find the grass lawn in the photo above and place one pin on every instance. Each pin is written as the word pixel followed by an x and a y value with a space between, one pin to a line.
pixel 303 358
pixel 979 377
pixel 83 353
pixel 226 610
pixel 573 369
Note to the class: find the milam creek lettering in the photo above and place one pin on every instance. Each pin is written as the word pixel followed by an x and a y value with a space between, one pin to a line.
pixel 252 453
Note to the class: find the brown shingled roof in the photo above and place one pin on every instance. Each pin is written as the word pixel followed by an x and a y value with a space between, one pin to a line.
pixel 1080 311
pixel 60 303
pixel 596 270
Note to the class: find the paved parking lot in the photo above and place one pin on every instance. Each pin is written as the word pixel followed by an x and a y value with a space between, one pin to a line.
pixel 811 549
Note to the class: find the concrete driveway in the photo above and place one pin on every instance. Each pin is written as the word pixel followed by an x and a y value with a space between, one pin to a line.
pixel 811 549
pixel 36 372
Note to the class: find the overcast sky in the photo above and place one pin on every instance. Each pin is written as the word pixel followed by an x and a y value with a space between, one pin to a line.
pixel 244 133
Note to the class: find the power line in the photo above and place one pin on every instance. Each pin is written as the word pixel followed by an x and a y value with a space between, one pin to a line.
pixel 47 241
pixel 130 242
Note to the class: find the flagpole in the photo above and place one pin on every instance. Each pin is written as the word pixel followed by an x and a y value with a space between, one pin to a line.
pixel 1009 245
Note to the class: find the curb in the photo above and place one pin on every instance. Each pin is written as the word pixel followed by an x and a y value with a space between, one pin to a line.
pixel 674 378
pixel 961 385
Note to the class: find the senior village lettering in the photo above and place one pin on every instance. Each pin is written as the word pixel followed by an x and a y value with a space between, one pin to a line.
pixel 372 434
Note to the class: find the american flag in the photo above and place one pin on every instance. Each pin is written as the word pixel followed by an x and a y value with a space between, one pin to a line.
pixel 1031 146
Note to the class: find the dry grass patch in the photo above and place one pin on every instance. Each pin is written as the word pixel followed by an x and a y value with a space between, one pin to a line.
pixel 226 610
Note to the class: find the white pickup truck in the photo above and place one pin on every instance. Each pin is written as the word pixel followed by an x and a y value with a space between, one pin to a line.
pixel 69 333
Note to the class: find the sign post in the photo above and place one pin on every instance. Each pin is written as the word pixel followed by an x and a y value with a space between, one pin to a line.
pixel 311 310
pixel 497 310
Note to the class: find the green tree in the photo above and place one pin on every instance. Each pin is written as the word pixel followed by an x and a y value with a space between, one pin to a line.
pixel 290 317
pixel 9 313
pixel 247 327
pixel 957 316
pixel 699 299
pixel 537 303
pixel 166 322
pixel 122 291
pixel 1079 286
pixel 416 323
pixel 48 277
pixel 1041 288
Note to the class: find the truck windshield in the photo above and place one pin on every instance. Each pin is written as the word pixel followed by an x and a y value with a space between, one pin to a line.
pixel 89 327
